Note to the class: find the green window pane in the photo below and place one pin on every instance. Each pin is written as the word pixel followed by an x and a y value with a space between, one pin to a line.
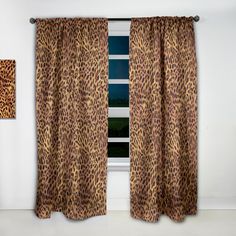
pixel 118 127
pixel 118 149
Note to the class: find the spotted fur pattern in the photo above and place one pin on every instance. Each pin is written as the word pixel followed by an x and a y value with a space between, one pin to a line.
pixel 72 110
pixel 7 89
pixel 163 110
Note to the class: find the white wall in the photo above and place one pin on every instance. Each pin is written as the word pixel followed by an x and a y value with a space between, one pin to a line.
pixel 216 49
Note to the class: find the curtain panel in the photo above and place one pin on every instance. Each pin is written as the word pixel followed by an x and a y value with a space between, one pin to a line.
pixel 71 116
pixel 163 118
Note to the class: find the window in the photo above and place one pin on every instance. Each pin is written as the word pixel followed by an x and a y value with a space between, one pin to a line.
pixel 118 121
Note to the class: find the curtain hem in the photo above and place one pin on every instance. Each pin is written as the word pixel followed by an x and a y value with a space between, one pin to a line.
pixel 45 214
pixel 146 216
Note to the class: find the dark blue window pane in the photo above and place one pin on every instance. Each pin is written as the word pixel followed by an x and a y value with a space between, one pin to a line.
pixel 118 95
pixel 118 45
pixel 118 149
pixel 118 127
pixel 118 69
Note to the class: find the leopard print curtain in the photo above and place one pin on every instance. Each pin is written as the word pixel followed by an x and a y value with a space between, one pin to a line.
pixel 7 89
pixel 163 110
pixel 71 114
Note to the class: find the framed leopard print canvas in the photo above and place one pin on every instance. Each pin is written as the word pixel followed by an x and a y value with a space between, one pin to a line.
pixel 7 89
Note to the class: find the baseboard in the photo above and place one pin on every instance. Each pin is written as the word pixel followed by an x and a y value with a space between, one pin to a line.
pixel 118 204
pixel 122 204
pixel 217 203
pixel 204 203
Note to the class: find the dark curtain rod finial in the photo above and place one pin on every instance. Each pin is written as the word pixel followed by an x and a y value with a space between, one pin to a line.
pixel 32 20
pixel 195 18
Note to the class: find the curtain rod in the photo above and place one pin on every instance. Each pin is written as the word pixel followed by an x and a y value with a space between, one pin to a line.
pixel 195 18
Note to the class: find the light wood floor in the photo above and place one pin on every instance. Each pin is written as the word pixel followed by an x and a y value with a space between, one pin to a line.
pixel 207 222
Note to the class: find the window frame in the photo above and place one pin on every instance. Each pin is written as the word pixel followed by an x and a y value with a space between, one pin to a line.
pixel 118 28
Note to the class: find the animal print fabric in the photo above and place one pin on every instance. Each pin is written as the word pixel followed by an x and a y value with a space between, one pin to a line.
pixel 163 118
pixel 72 111
pixel 7 89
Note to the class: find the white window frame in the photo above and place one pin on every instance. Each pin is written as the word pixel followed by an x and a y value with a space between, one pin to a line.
pixel 119 28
